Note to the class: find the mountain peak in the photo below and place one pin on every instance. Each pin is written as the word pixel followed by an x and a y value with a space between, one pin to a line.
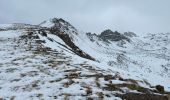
pixel 113 36
pixel 54 57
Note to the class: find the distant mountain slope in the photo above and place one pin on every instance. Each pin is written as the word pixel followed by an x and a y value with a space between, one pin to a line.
pixel 53 60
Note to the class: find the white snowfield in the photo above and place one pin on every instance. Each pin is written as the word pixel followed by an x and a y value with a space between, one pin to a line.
pixel 29 70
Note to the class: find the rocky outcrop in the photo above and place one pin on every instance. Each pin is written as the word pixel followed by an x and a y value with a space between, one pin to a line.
pixel 130 34
pixel 62 29
pixel 113 36
pixel 46 49
pixel 91 36
pixel 110 36
pixel 139 96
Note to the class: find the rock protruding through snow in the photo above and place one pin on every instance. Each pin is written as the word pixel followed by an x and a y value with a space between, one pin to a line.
pixel 46 61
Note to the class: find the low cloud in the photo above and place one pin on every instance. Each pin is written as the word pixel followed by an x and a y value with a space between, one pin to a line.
pixel 92 15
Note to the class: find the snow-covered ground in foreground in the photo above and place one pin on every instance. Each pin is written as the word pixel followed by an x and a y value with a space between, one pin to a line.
pixel 28 73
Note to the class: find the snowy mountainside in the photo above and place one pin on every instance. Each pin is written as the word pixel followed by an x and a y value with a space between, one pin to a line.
pixel 145 55
pixel 50 60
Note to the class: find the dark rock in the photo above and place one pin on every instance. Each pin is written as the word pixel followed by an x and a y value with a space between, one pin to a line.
pixel 91 36
pixel 50 39
pixel 44 33
pixel 23 36
pixel 30 33
pixel 36 37
pixel 88 90
pixel 2 29
pixel 108 77
pixel 108 35
pixel 130 34
pixel 68 41
pixel 160 88
pixel 138 96
pixel 40 41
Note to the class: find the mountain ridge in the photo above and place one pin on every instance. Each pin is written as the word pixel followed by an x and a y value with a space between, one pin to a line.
pixel 113 63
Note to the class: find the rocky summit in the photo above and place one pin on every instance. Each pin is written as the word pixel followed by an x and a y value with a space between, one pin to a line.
pixel 54 60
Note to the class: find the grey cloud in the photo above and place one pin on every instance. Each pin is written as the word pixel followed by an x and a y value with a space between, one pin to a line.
pixel 92 15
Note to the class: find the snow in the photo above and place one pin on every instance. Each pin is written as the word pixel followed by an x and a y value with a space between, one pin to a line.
pixel 3 26
pixel 47 23
pixel 9 34
pixel 143 64
pixel 27 74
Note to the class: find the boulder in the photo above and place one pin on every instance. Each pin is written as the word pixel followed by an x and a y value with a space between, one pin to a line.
pixel 160 88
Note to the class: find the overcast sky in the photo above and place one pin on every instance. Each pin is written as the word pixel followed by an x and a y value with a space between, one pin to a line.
pixel 140 16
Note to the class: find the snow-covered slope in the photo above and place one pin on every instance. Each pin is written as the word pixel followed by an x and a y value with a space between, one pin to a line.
pixel 53 59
